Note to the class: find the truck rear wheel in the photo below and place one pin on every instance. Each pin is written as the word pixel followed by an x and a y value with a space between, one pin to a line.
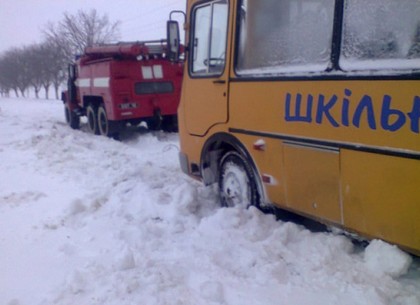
pixel 106 128
pixel 72 119
pixel 170 123
pixel 91 114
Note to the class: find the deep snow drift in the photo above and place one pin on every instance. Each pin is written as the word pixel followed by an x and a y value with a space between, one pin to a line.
pixel 89 220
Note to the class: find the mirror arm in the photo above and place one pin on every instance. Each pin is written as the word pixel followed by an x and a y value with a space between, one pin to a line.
pixel 178 12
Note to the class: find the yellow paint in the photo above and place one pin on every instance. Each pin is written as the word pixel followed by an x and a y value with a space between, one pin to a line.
pixel 381 196
pixel 312 182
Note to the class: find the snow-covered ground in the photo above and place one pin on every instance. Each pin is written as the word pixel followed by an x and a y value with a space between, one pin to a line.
pixel 88 220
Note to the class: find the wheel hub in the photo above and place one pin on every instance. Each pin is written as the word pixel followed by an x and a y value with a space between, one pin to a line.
pixel 236 186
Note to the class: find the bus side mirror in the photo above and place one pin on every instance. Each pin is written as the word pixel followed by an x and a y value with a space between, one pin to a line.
pixel 173 40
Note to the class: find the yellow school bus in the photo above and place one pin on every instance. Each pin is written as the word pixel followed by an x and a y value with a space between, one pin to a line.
pixel 312 106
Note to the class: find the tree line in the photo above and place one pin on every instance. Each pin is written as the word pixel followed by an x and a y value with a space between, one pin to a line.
pixel 44 65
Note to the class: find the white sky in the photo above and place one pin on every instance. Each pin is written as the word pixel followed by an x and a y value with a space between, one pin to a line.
pixel 22 21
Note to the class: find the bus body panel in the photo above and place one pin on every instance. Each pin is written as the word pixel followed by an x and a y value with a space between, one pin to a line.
pixel 313 186
pixel 214 105
pixel 323 110
pixel 214 87
pixel 315 178
pixel 381 196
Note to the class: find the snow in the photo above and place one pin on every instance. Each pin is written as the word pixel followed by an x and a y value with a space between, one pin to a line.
pixel 384 258
pixel 90 220
pixel 394 66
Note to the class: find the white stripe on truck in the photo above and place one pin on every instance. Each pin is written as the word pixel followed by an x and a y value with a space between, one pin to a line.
pixel 101 82
pixel 83 82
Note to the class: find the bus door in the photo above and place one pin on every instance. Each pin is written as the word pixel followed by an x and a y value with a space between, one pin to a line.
pixel 206 90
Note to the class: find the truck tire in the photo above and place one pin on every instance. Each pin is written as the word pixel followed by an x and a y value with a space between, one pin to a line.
pixel 72 119
pixel 155 122
pixel 91 114
pixel 170 123
pixel 106 127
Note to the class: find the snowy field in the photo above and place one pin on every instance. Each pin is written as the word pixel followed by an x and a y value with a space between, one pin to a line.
pixel 86 220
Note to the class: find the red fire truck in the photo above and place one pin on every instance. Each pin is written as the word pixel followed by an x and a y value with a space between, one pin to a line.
pixel 113 85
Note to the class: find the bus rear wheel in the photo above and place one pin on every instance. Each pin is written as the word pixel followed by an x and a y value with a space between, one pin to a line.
pixel 237 181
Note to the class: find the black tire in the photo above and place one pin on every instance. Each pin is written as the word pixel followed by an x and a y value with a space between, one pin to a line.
pixel 237 182
pixel 106 127
pixel 72 119
pixel 170 123
pixel 154 123
pixel 91 114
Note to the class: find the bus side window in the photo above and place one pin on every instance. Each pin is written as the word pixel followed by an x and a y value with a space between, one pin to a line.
pixel 285 36
pixel 380 34
pixel 415 47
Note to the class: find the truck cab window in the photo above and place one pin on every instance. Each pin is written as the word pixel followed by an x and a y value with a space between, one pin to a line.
pixel 209 38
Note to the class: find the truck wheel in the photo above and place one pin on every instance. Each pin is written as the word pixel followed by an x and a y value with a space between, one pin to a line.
pixel 237 181
pixel 106 128
pixel 170 123
pixel 72 119
pixel 154 124
pixel 92 120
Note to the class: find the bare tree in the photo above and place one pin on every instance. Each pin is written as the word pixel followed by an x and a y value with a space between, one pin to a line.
pixel 44 65
pixel 15 67
pixel 32 66
pixel 9 72
pixel 36 66
pixel 22 63
pixel 76 32
pixel 56 67
pixel 47 65
pixel 5 83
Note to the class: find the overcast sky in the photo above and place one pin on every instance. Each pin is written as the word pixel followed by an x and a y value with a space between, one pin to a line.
pixel 22 21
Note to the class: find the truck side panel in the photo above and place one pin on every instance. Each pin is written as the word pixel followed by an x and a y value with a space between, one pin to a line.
pixel 117 83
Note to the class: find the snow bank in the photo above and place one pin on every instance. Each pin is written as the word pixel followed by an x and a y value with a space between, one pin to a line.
pixel 387 259
pixel 89 220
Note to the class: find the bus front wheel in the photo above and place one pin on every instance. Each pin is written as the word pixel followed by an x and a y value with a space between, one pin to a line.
pixel 237 181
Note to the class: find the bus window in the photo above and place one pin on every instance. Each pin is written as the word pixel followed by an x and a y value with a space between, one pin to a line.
pixel 381 34
pixel 280 36
pixel 209 38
